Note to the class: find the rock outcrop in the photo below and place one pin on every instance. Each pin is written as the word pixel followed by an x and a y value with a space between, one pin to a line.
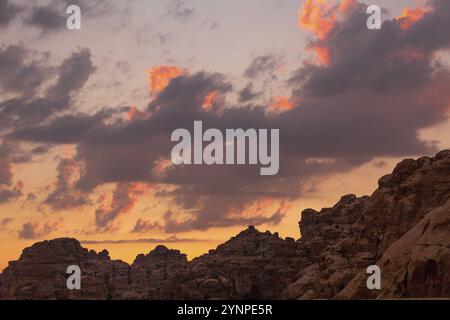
pixel 358 232
pixel 40 273
pixel 403 227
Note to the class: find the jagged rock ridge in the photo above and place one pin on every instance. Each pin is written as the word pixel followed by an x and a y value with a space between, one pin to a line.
pixel 403 227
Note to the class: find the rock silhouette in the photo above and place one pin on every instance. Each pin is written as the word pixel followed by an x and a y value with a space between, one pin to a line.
pixel 403 227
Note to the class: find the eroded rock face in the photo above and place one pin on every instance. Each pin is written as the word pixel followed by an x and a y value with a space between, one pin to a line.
pixel 329 250
pixel 150 275
pixel 415 266
pixel 40 273
pixel 251 265
pixel 403 227
pixel 357 232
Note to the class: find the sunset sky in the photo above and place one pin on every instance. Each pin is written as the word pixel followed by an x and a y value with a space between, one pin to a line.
pixel 86 115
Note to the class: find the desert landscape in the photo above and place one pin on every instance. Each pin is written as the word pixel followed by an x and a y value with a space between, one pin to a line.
pixel 403 227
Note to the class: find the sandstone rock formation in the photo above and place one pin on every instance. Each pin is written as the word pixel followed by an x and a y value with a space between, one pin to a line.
pixel 403 227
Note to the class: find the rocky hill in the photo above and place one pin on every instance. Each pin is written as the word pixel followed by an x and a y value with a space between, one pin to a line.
pixel 403 227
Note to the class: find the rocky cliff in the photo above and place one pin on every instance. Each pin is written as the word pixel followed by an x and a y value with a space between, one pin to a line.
pixel 403 227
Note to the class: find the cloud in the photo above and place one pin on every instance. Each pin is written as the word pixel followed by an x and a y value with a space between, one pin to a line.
pixel 32 231
pixel 390 59
pixel 211 100
pixel 163 38
pixel 26 77
pixel 47 18
pixel 160 76
pixel 268 64
pixel 319 16
pixel 410 16
pixel 10 154
pixel 52 17
pixel 8 12
pixel 71 76
pixel 67 129
pixel 224 219
pixel 17 74
pixel 376 92
pixel 248 93
pixel 172 239
pixel 6 175
pixel 4 223
pixel 123 200
pixel 213 25
pixel 210 24
pixel 12 193
pixel 74 72
pixel 65 194
pixel 40 150
pixel 178 10
pixel 145 226
pixel 281 103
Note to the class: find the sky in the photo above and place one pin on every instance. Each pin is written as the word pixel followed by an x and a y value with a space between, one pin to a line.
pixel 86 115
